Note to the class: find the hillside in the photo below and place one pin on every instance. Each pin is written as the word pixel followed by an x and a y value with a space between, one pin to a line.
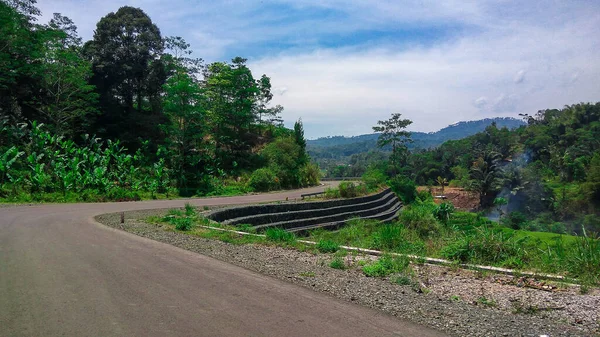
pixel 340 147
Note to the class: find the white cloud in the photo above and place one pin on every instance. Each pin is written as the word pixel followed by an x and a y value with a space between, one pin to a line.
pixel 345 91
pixel 506 57
pixel 520 76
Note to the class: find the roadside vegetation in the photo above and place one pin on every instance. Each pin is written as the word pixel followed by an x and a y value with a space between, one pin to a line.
pixel 78 124
pixel 459 236
pixel 470 238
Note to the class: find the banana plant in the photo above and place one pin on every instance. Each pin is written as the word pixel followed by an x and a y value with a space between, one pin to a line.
pixel 38 178
pixel 7 160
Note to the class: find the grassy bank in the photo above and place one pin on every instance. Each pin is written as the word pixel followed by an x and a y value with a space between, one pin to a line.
pixel 462 237
pixel 470 238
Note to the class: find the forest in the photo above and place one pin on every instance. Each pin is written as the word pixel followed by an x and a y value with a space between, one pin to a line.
pixel 340 156
pixel 543 176
pixel 132 114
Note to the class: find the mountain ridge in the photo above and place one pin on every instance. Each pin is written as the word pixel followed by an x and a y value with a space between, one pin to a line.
pixel 338 147
pixel 479 125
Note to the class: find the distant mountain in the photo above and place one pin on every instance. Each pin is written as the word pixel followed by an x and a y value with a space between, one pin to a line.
pixel 337 147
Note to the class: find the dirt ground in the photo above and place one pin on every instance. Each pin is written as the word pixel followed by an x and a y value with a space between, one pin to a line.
pixel 461 199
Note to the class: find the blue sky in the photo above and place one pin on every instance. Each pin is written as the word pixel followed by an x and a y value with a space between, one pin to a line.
pixel 343 65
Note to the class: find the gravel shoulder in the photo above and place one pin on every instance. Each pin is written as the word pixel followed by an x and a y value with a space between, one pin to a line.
pixel 451 303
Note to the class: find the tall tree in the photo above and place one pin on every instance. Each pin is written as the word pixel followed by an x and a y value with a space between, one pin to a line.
pixel 486 177
pixel 21 53
pixel 299 138
pixel 235 100
pixel 126 55
pixel 69 98
pixel 185 106
pixel 393 133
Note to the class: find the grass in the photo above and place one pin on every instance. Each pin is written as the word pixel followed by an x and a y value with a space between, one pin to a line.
pixel 327 246
pixel 386 265
pixel 466 238
pixel 486 301
pixel 84 196
pixel 470 238
pixel 403 280
pixel 337 263
pixel 280 235
pixel 307 274
pixel 225 188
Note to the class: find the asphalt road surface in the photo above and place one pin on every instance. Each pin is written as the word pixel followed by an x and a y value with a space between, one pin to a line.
pixel 63 274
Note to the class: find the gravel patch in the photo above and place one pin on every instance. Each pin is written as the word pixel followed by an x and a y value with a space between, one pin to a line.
pixel 451 302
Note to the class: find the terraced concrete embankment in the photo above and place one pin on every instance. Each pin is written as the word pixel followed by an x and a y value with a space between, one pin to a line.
pixel 298 217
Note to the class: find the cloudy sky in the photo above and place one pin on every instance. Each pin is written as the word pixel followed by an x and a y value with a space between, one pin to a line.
pixel 343 65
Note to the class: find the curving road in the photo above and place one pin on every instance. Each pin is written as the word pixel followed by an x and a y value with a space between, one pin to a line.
pixel 63 274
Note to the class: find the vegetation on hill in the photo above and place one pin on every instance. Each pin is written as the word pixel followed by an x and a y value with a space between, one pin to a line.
pixel 541 176
pixel 130 113
pixel 340 156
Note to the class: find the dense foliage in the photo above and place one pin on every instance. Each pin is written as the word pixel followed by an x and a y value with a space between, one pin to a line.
pixel 342 156
pixel 153 118
pixel 543 176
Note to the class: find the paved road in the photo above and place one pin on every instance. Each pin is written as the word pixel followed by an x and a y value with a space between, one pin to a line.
pixel 62 274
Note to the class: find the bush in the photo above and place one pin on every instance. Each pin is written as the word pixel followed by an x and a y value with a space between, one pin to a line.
pixel 327 246
pixel 419 217
pixel 386 265
pixel 591 223
pixel 332 193
pixel 558 228
pixel 337 263
pixel 443 211
pixel 515 220
pixel 263 180
pixel 284 158
pixel 309 175
pixel 404 188
pixel 424 196
pixel 279 235
pixel 374 179
pixel 347 189
pixel 388 237
pixel 121 194
pixel 488 246
pixel 190 210
pixel 182 224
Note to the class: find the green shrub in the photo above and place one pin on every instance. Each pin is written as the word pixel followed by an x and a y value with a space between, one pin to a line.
pixel 332 193
pixel 327 246
pixel 487 246
pixel 121 194
pixel 337 263
pixel 558 228
pixel 591 223
pixel 424 196
pixel 443 211
pixel 182 224
pixel 386 265
pixel 419 217
pixel 279 235
pixel 246 228
pixel 263 180
pixel 404 188
pixel 348 189
pixel 374 178
pixel 175 211
pixel 309 175
pixel 585 259
pixel 515 220
pixel 403 280
pixel 388 237
pixel 190 210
